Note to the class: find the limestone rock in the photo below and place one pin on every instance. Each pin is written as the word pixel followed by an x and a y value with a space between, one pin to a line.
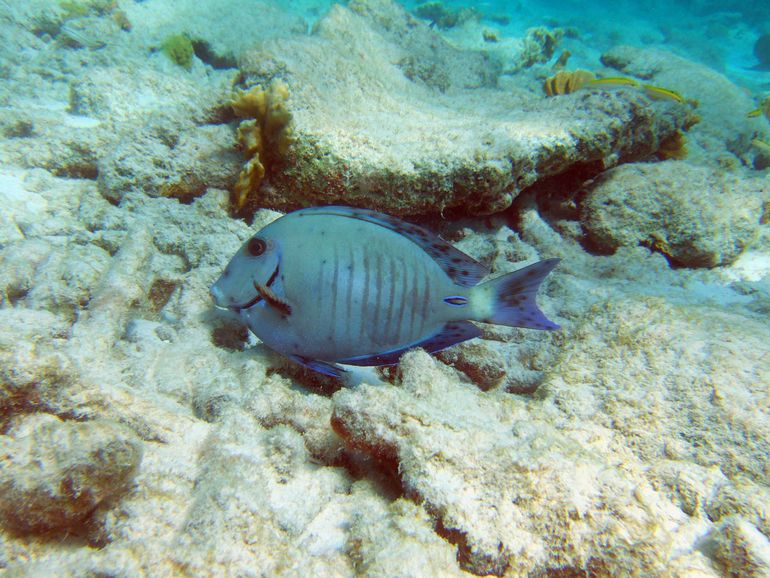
pixel 678 383
pixel 511 491
pixel 56 473
pixel 742 550
pixel 369 133
pixel 197 158
pixel 696 216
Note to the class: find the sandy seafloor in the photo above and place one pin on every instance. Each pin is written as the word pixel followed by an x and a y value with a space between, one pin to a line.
pixel 145 433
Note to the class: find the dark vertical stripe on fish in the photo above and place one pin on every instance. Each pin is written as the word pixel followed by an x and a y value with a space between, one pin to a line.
pixel 320 298
pixel 406 268
pixel 414 296
pixel 425 299
pixel 334 284
pixel 391 297
pixel 351 268
pixel 378 288
pixel 365 296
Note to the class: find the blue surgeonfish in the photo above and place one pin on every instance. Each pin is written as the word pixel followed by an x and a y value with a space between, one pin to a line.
pixel 340 285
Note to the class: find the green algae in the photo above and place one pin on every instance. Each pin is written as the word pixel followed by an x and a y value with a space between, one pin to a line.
pixel 179 48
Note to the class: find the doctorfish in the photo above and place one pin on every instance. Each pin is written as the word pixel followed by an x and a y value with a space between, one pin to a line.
pixel 340 285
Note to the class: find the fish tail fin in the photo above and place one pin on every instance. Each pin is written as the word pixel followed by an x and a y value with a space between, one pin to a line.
pixel 512 297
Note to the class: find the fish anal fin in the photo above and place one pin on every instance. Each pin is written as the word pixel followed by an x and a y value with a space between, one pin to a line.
pixel 330 369
pixel 451 334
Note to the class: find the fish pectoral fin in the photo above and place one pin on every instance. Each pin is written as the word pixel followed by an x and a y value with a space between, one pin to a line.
pixel 278 303
pixel 331 369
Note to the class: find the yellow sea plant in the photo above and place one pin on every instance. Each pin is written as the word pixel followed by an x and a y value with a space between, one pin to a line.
pixel 264 135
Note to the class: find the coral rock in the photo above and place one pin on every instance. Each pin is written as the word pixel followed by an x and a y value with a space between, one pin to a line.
pixel 56 473
pixel 694 215
pixel 435 133
pixel 511 491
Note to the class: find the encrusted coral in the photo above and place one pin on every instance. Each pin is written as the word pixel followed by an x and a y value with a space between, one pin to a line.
pixel 80 8
pixel 565 82
pixel 490 35
pixel 443 17
pixel 539 45
pixel 264 136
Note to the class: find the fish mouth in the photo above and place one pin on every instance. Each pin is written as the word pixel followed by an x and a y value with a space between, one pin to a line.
pixel 257 297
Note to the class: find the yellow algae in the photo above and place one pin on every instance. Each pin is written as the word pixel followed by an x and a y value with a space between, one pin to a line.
pixel 179 48
pixel 761 145
pixel 264 135
pixel 567 82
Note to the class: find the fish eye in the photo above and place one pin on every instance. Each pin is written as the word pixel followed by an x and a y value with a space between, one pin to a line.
pixel 256 247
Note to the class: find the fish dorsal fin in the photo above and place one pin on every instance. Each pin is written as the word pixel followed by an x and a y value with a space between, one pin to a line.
pixel 461 268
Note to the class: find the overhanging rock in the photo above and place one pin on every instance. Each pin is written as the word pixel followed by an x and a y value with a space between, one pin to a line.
pixel 388 115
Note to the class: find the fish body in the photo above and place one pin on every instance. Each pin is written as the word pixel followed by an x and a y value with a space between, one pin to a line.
pixel 764 109
pixel 652 91
pixel 332 285
pixel 612 82
pixel 661 93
